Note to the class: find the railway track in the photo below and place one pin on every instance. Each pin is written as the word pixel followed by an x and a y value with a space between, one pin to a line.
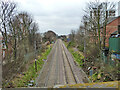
pixel 58 69
pixel 41 80
pixel 51 77
pixel 70 77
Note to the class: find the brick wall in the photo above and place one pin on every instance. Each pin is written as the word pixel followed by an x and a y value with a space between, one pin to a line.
pixel 110 28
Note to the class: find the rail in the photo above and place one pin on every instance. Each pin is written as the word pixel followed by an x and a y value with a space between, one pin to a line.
pixel 71 70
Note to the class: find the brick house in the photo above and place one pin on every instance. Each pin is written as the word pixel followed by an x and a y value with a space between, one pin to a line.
pixel 112 28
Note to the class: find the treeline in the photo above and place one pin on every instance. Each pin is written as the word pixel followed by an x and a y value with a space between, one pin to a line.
pixel 91 37
pixel 21 41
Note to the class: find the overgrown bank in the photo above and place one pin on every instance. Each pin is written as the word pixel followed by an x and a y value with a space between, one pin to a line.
pixel 27 78
pixel 78 57
pixel 96 69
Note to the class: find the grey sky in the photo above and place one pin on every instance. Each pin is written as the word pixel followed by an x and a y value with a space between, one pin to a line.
pixel 61 16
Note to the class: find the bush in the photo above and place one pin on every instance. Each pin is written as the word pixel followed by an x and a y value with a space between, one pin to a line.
pixel 92 52
pixel 71 44
pixel 81 48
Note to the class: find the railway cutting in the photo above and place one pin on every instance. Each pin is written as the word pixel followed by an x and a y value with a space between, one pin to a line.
pixel 59 69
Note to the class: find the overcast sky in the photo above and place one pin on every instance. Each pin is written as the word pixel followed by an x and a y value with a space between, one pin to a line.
pixel 61 16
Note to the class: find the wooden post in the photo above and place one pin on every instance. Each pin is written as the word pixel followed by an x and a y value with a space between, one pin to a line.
pixel 35 65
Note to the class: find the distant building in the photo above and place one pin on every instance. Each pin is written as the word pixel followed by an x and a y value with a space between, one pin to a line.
pixel 112 28
pixel 112 25
pixel 110 13
pixel 119 8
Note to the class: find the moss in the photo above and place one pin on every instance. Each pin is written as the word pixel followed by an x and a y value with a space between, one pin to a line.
pixel 113 84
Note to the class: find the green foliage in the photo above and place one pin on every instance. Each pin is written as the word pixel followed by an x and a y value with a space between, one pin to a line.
pixel 81 48
pixel 78 57
pixel 71 44
pixel 66 44
pixel 96 77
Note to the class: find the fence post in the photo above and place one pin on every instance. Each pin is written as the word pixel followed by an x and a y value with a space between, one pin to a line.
pixel 35 65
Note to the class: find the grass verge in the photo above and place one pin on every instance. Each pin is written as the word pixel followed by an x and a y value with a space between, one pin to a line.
pixel 78 57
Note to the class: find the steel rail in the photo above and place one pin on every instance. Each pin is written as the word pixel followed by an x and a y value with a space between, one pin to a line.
pixel 69 66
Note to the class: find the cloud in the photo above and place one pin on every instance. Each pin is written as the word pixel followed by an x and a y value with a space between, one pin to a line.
pixel 58 15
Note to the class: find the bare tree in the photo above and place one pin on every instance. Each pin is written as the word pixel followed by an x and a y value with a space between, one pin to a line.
pixel 32 33
pixel 24 26
pixel 19 32
pixel 108 12
pixel 94 18
pixel 79 35
pixel 22 30
pixel 50 36
pixel 97 14
pixel 6 14
pixel 72 35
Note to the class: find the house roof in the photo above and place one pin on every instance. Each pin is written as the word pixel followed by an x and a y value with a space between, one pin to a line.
pixel 111 19
pixel 115 32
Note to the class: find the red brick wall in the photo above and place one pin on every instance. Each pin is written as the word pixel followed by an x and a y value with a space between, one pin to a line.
pixel 110 28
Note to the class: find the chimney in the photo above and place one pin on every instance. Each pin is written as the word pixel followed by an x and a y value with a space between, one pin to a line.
pixel 119 8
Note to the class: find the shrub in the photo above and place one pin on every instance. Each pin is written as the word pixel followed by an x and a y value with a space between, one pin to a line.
pixel 81 48
pixel 71 44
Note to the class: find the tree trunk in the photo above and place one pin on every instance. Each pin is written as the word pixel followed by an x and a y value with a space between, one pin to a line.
pixel 15 48
pixel 99 41
pixel 104 34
